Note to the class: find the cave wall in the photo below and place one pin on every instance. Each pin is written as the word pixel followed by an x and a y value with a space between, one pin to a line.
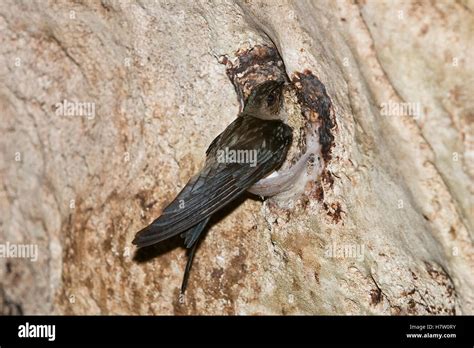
pixel 387 229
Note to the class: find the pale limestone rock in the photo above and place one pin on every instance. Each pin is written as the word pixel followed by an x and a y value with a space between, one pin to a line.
pixel 392 235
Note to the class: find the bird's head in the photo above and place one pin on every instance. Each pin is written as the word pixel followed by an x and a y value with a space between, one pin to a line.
pixel 265 100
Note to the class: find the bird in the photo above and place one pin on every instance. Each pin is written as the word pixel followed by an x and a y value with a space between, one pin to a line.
pixel 262 138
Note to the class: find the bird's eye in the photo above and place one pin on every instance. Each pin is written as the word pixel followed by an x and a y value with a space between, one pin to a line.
pixel 272 97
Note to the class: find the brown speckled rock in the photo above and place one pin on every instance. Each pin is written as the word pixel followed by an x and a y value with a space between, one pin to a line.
pixel 387 229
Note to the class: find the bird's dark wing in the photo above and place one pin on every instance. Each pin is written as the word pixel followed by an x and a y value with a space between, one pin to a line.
pixel 220 182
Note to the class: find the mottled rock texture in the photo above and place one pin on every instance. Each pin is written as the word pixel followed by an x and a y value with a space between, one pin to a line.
pixel 386 230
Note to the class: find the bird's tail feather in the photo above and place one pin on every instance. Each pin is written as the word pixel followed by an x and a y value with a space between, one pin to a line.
pixel 191 241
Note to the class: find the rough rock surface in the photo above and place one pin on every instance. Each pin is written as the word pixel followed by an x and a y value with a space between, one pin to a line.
pixel 387 229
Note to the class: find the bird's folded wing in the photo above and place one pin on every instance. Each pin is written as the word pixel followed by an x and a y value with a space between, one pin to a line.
pixel 214 187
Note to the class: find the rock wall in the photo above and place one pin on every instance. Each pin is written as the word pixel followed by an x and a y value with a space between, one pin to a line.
pixel 107 109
